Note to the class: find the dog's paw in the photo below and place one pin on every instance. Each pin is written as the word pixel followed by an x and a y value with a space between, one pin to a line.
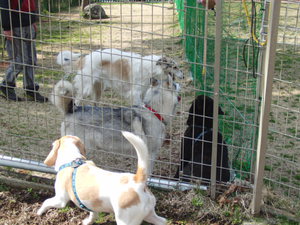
pixel 86 221
pixel 40 211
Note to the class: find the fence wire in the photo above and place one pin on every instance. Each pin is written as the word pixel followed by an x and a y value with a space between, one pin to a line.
pixel 282 167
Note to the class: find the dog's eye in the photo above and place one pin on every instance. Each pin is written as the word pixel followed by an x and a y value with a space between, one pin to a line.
pixel 66 59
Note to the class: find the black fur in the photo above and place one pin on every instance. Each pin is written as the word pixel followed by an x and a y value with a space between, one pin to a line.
pixel 196 145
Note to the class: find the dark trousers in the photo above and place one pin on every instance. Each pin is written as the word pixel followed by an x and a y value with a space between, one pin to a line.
pixel 22 52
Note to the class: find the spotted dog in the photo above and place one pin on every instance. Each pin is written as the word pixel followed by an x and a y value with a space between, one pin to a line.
pixel 127 73
pixel 96 190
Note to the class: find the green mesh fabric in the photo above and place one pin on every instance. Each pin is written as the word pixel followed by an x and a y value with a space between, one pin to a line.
pixel 236 81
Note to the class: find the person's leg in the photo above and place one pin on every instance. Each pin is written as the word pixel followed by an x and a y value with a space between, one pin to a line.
pixel 30 61
pixel 13 48
pixel 9 49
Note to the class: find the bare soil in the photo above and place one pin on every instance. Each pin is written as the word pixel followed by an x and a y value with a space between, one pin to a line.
pixel 20 201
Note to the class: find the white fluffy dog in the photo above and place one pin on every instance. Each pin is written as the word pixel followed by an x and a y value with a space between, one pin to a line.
pixel 98 126
pixel 126 72
pixel 96 190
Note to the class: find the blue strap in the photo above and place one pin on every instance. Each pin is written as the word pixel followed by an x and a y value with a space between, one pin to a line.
pixel 75 192
pixel 75 164
pixel 65 166
pixel 201 135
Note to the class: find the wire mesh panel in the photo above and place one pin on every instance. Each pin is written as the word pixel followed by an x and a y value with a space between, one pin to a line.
pixel 141 35
pixel 282 166
pixel 239 77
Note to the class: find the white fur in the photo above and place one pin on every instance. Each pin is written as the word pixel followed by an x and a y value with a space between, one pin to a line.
pixel 111 187
pixel 160 97
pixel 92 78
pixel 68 60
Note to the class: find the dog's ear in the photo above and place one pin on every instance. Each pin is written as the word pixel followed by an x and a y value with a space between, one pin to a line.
pixel 51 158
pixel 196 111
pixel 162 61
pixel 191 118
pixel 168 83
pixel 159 62
pixel 154 82
pixel 80 146
pixel 221 111
pixel 209 107
pixel 172 75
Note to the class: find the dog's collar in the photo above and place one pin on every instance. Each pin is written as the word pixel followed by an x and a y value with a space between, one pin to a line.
pixel 198 126
pixel 75 164
pixel 155 113
pixel 205 131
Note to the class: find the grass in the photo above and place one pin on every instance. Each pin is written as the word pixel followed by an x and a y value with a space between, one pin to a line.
pixel 197 201
pixel 292 130
pixel 271 137
pixel 3 188
pixel 288 156
pixel 65 209
pixel 283 220
pixel 284 179
pixel 70 32
pixel 101 218
pixel 268 168
pixel 297 177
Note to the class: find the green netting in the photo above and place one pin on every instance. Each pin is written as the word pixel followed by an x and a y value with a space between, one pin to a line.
pixel 236 81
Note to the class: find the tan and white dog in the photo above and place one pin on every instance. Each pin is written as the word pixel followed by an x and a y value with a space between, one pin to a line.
pixel 97 190
pixel 127 73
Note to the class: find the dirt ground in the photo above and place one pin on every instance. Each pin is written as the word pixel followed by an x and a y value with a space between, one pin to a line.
pixel 20 201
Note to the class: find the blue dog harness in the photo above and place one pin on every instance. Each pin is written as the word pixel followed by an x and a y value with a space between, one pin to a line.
pixel 75 164
pixel 205 131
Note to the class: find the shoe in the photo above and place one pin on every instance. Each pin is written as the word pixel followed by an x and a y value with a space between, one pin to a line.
pixel 10 94
pixel 36 96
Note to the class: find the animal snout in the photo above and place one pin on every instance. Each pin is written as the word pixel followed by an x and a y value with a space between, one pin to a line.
pixel 176 86
pixel 182 74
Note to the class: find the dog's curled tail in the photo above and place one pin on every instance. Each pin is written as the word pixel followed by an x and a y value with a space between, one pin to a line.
pixel 62 96
pixel 142 153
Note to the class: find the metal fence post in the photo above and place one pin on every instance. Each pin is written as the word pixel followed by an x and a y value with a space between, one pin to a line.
pixel 267 83
pixel 260 66
pixel 217 71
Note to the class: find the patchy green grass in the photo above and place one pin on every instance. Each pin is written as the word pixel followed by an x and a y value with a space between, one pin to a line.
pixel 284 179
pixel 3 188
pixel 268 167
pixel 297 177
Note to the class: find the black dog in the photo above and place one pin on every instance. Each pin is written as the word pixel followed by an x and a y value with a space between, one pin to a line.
pixel 196 145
